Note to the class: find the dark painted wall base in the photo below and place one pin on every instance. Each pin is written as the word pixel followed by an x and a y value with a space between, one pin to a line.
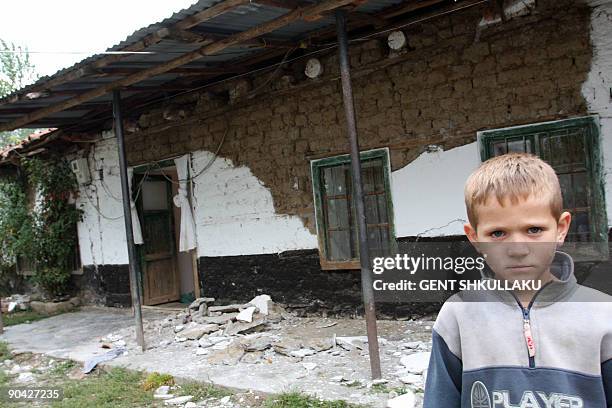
pixel 105 284
pixel 295 279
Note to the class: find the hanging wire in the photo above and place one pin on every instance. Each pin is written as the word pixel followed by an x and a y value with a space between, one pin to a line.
pixel 206 167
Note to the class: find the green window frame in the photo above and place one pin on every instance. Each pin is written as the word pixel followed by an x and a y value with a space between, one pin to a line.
pixel 335 209
pixel 572 147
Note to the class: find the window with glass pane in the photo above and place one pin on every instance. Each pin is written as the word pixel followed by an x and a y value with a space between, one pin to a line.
pixel 335 208
pixel 571 147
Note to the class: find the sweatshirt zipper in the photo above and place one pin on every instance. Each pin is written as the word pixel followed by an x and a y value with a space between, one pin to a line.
pixel 531 350
pixel 527 334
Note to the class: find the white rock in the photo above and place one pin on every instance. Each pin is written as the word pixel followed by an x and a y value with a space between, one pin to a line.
pixel 377 381
pixel 179 328
pixel 222 345
pixel 190 405
pixel 246 315
pixel 407 400
pixel 180 339
pixel 261 303
pixel 16 369
pixel 411 379
pixel 309 366
pixel 225 399
pixel 163 390
pixel 202 352
pixel 416 363
pixel 302 352
pixel 163 396
pixel 25 377
pixel 179 400
pixel 120 343
pixel 338 378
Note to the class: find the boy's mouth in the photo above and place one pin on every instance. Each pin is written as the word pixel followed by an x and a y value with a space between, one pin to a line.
pixel 520 268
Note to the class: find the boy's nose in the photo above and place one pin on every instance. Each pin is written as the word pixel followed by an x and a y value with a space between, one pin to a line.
pixel 517 249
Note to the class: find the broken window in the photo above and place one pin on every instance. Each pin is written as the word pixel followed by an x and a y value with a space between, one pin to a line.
pixel 572 148
pixel 335 208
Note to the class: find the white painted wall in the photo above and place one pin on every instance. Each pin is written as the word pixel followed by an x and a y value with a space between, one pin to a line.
pixel 234 213
pixel 102 231
pixel 428 192
pixel 596 89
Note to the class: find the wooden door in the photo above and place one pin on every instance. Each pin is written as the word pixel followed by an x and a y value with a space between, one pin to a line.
pixel 158 253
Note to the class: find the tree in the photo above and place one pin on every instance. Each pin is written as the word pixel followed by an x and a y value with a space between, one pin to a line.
pixel 16 71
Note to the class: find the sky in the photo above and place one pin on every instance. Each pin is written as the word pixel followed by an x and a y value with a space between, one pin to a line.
pixel 60 33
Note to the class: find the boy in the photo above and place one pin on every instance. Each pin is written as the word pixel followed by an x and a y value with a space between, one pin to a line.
pixel 544 348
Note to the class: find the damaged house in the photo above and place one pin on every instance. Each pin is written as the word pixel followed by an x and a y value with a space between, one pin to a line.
pixel 236 146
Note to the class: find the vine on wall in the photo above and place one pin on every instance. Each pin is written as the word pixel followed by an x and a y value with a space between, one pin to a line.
pixel 45 234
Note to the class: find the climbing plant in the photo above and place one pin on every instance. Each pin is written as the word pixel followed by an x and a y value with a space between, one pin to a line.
pixel 16 232
pixel 45 234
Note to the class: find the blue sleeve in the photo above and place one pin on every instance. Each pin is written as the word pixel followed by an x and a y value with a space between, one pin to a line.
pixel 443 383
pixel 606 375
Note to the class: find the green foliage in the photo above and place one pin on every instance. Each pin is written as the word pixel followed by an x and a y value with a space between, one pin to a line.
pixel 45 235
pixel 298 400
pixel 116 388
pixel 156 380
pixel 54 224
pixel 16 71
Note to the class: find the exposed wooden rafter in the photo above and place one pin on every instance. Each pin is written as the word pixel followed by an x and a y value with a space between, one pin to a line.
pixel 210 49
pixel 147 41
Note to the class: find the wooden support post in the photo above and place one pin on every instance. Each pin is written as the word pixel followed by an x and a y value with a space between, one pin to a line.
pixel 364 255
pixel 134 266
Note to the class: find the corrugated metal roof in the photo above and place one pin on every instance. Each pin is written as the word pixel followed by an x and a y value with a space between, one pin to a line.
pixel 236 20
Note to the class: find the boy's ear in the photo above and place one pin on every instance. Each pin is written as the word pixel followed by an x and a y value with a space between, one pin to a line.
pixel 563 226
pixel 470 232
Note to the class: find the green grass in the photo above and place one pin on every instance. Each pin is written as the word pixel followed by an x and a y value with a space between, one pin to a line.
pixel 27 316
pixel 118 388
pixel 298 400
pixel 5 353
pixel 201 391
pixel 62 368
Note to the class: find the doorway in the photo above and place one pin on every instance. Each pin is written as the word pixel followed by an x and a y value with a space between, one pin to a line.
pixel 167 274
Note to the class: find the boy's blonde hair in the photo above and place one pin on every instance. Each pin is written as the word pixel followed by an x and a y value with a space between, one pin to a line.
pixel 513 176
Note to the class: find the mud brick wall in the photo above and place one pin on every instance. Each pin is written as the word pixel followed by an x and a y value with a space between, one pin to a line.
pixel 453 80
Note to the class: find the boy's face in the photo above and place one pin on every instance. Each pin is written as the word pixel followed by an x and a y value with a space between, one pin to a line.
pixel 519 239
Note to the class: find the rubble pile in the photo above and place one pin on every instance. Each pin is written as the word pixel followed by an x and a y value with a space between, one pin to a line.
pixel 316 351
pixel 15 303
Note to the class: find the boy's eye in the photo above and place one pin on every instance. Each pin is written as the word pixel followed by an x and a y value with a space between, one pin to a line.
pixel 497 234
pixel 534 230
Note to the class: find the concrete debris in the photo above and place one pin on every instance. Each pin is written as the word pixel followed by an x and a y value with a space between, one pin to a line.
pixel 378 381
pixel 262 303
pixel 359 342
pixel 179 400
pixel 407 400
pixel 231 355
pixel 246 315
pixel 227 308
pixel 25 377
pixel 412 379
pixel 416 363
pixel 195 305
pixel 196 331
pixel 222 319
pixel 232 328
pixel 15 303
pixel 309 366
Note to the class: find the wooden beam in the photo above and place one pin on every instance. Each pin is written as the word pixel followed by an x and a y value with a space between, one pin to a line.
pixel 147 41
pixel 211 49
pixel 408 8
